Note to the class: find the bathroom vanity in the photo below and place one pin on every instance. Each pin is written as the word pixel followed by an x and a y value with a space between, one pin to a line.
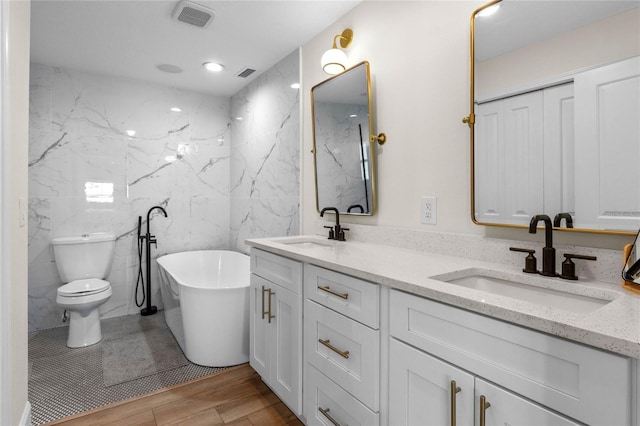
pixel 370 334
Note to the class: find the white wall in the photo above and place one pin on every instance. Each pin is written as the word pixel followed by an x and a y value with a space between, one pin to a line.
pixel 419 56
pixel 548 59
pixel 14 168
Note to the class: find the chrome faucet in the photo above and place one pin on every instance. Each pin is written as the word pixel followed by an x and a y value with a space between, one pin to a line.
pixel 548 252
pixel 336 232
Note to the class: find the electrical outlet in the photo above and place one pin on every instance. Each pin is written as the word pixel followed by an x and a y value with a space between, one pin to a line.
pixel 428 210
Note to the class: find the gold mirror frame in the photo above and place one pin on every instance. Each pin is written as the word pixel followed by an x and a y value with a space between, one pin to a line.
pixel 470 121
pixel 370 141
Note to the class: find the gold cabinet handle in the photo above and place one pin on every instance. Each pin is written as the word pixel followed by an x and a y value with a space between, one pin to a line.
pixel 454 390
pixel 328 290
pixel 484 404
pixel 270 317
pixel 327 343
pixel 264 290
pixel 325 412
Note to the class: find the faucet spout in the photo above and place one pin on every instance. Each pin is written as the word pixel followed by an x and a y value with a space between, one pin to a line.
pixel 331 209
pixel 153 208
pixel 548 252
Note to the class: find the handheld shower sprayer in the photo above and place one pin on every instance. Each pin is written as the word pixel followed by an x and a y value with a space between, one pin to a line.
pixel 148 240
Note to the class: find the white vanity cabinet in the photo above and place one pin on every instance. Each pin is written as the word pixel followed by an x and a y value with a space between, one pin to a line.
pixel 275 314
pixel 341 349
pixel 527 377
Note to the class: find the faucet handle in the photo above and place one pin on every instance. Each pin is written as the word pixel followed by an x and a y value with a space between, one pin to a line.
pixel 332 235
pixel 340 236
pixel 569 268
pixel 530 262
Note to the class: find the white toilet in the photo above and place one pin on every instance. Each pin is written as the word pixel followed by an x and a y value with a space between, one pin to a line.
pixel 83 262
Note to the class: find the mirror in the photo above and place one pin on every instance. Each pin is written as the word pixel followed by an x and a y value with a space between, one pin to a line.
pixel 631 268
pixel 555 101
pixel 343 153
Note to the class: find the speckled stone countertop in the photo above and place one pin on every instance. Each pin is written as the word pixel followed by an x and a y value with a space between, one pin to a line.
pixel 615 326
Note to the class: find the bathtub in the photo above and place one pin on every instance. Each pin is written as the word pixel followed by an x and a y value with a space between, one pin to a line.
pixel 206 304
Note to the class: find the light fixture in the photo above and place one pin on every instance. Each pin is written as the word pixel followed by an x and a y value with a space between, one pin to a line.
pixel 176 109
pixel 334 60
pixel 131 132
pixel 489 10
pixel 295 86
pixel 213 66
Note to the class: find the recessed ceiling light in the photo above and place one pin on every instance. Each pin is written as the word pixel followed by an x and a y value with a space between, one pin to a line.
pixel 295 86
pixel 213 66
pixel 353 116
pixel 131 132
pixel 169 68
pixel 239 118
pixel 176 109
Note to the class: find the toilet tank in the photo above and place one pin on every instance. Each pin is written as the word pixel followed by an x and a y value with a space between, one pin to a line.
pixel 84 256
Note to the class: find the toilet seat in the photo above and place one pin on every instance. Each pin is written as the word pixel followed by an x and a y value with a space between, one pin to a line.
pixel 84 287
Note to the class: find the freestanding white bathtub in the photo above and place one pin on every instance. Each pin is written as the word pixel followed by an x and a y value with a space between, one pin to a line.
pixel 206 304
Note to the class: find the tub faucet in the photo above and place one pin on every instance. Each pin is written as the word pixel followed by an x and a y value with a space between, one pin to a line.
pixel 336 232
pixel 150 239
pixel 548 252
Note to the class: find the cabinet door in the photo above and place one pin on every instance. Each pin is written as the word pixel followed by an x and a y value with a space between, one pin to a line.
pixel 507 408
pixel 258 329
pixel 607 147
pixel 286 346
pixel 420 389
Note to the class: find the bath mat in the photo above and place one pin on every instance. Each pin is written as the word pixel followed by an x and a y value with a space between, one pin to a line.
pixel 139 355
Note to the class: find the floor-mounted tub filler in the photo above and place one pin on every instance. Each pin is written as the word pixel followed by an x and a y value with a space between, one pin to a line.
pixel 206 304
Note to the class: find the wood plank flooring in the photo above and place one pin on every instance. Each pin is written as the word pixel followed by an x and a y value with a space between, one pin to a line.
pixel 236 396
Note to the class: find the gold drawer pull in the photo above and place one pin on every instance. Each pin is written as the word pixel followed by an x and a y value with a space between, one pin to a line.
pixel 328 290
pixel 454 390
pixel 264 290
pixel 327 343
pixel 325 412
pixel 484 404
pixel 271 316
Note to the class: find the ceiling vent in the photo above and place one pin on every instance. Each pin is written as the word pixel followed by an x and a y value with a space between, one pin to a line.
pixel 246 72
pixel 193 13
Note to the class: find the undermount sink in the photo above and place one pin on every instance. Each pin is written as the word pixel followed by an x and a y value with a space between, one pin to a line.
pixel 528 292
pixel 305 243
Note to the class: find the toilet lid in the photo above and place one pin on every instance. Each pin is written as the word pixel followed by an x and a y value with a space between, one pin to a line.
pixel 83 287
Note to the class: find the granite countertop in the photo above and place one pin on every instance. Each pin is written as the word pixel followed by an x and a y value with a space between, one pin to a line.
pixel 615 326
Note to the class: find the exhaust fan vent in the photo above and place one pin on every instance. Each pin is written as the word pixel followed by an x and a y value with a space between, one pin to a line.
pixel 193 13
pixel 246 72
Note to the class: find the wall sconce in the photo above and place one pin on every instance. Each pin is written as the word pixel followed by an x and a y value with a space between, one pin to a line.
pixel 334 60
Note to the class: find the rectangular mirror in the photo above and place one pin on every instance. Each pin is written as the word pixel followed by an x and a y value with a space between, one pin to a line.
pixel 555 101
pixel 343 153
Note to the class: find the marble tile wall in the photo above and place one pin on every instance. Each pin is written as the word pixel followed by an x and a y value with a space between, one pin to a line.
pixel 342 137
pixel 87 174
pixel 265 156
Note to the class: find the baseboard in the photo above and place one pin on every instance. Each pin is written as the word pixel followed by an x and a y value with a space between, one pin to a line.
pixel 26 415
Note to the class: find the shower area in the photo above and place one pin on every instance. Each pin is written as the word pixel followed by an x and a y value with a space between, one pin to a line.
pixel 103 149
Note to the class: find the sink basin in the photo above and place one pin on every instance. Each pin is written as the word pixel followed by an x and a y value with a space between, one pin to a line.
pixel 305 243
pixel 529 292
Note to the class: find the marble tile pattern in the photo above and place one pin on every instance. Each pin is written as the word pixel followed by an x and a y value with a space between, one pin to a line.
pixel 87 174
pixel 265 155
pixel 612 327
pixel 341 139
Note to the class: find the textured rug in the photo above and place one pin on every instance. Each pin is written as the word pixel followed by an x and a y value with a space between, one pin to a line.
pixel 139 355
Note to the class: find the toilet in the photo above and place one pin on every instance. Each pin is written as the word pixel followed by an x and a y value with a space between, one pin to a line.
pixel 83 263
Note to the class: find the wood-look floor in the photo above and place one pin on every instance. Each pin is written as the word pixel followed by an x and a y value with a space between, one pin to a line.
pixel 236 396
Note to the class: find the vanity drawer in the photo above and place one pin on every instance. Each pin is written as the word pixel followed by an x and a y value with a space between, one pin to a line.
pixel 344 350
pixel 353 297
pixel 277 269
pixel 324 398
pixel 585 383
